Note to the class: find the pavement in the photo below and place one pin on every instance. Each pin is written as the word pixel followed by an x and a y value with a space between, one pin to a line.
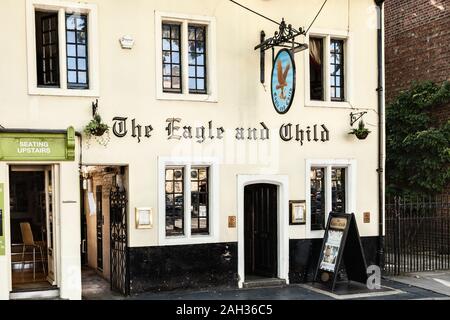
pixel 432 286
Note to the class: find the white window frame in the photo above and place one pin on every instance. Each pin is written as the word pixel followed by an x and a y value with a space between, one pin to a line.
pixel 211 66
pixel 63 7
pixel 213 183
pixel 327 36
pixel 350 189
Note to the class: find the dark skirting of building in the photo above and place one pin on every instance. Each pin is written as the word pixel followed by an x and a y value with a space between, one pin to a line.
pixel 215 265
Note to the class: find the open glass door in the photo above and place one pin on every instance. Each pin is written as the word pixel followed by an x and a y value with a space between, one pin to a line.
pixel 50 225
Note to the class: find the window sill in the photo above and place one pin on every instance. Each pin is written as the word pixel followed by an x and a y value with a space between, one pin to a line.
pixel 328 104
pixel 211 98
pixel 63 92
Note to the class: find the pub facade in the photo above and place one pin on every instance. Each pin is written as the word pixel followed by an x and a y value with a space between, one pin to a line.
pixel 149 142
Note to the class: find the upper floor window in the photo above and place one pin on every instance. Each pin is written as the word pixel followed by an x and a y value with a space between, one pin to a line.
pixel 62 56
pixel 326 78
pixel 186 54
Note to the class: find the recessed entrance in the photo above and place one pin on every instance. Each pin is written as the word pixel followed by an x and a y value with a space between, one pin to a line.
pixel 33 241
pixel 260 234
pixel 104 229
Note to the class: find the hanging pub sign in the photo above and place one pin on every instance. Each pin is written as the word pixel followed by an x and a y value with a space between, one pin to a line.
pixel 283 81
pixel 341 243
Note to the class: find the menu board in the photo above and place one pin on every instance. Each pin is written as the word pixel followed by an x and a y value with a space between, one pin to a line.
pixel 341 243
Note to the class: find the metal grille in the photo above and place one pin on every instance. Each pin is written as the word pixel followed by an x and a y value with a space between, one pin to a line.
pixel 120 280
pixel 417 234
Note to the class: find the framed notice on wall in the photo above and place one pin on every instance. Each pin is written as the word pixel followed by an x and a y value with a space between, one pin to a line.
pixel 144 218
pixel 297 212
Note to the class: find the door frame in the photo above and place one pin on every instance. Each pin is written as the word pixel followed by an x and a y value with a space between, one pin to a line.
pixel 282 183
pixel 36 166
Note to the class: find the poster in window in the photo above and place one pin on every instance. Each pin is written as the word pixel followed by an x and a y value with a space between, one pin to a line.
pixel 331 250
pixel 202 211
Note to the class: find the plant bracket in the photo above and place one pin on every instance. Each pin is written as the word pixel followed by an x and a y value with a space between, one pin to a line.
pixel 285 37
pixel 356 116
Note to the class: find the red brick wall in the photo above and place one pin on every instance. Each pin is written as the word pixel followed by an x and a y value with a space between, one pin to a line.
pixel 417 45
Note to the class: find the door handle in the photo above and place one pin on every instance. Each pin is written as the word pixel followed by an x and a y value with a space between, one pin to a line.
pixel 83 246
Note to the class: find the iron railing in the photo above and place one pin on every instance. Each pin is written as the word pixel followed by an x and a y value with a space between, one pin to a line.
pixel 417 234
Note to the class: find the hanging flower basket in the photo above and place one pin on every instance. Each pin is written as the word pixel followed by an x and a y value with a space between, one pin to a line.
pixel 361 132
pixel 97 129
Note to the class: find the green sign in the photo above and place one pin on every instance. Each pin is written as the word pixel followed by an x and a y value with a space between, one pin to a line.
pixel 2 220
pixel 28 146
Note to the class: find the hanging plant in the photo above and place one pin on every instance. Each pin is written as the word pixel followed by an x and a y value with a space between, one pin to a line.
pixel 98 130
pixel 361 132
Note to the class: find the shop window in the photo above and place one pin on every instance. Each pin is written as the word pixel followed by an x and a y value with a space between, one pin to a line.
pixel 197 59
pixel 316 68
pixel 186 57
pixel 174 201
pixel 47 49
pixel 77 53
pixel 63 50
pixel 199 201
pixel 337 70
pixel 328 193
pixel 171 54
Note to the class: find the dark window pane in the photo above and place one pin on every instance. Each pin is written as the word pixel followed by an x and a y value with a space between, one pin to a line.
pixel 197 65
pixel 316 69
pixel 171 57
pixel 317 199
pixel 47 49
pixel 174 202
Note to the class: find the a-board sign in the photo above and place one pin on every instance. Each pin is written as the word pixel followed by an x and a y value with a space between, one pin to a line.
pixel 341 247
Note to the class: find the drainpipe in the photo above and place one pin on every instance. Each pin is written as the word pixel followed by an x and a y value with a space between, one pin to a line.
pixel 381 133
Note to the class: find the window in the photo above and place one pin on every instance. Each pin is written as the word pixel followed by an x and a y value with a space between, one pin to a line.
pixel 186 57
pixel 77 56
pixel 316 68
pixel 62 48
pixel 171 36
pixel 317 198
pixel 188 200
pixel 47 52
pixel 197 61
pixel 174 201
pixel 326 82
pixel 337 70
pixel 330 186
pixel 199 200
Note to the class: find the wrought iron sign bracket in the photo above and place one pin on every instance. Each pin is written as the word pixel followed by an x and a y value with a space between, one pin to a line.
pixel 356 116
pixel 285 38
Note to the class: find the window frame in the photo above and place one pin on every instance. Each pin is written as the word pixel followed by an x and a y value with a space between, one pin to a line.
pixel 350 186
pixel 184 20
pixel 327 36
pixel 213 197
pixel 63 8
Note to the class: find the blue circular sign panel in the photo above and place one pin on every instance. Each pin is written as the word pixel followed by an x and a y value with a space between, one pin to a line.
pixel 283 81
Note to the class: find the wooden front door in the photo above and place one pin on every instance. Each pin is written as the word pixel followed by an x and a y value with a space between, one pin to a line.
pixel 260 223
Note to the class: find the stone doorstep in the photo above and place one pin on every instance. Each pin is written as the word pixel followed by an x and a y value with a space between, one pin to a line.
pixel 264 283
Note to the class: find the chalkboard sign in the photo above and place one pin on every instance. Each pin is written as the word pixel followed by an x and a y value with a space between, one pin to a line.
pixel 341 243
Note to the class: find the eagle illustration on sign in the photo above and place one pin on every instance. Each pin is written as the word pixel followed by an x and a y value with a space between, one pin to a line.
pixel 283 81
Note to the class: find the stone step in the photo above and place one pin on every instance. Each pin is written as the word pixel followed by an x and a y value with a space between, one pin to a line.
pixel 264 283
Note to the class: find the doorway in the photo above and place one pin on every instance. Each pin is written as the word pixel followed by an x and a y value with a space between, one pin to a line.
pixel 104 237
pixel 33 241
pixel 260 224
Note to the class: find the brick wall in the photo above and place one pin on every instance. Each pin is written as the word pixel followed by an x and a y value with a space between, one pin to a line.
pixel 417 45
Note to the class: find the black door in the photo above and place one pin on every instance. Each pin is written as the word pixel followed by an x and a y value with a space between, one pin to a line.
pixel 98 197
pixel 260 222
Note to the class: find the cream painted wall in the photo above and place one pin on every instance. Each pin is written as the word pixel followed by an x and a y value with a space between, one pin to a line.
pixel 127 88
